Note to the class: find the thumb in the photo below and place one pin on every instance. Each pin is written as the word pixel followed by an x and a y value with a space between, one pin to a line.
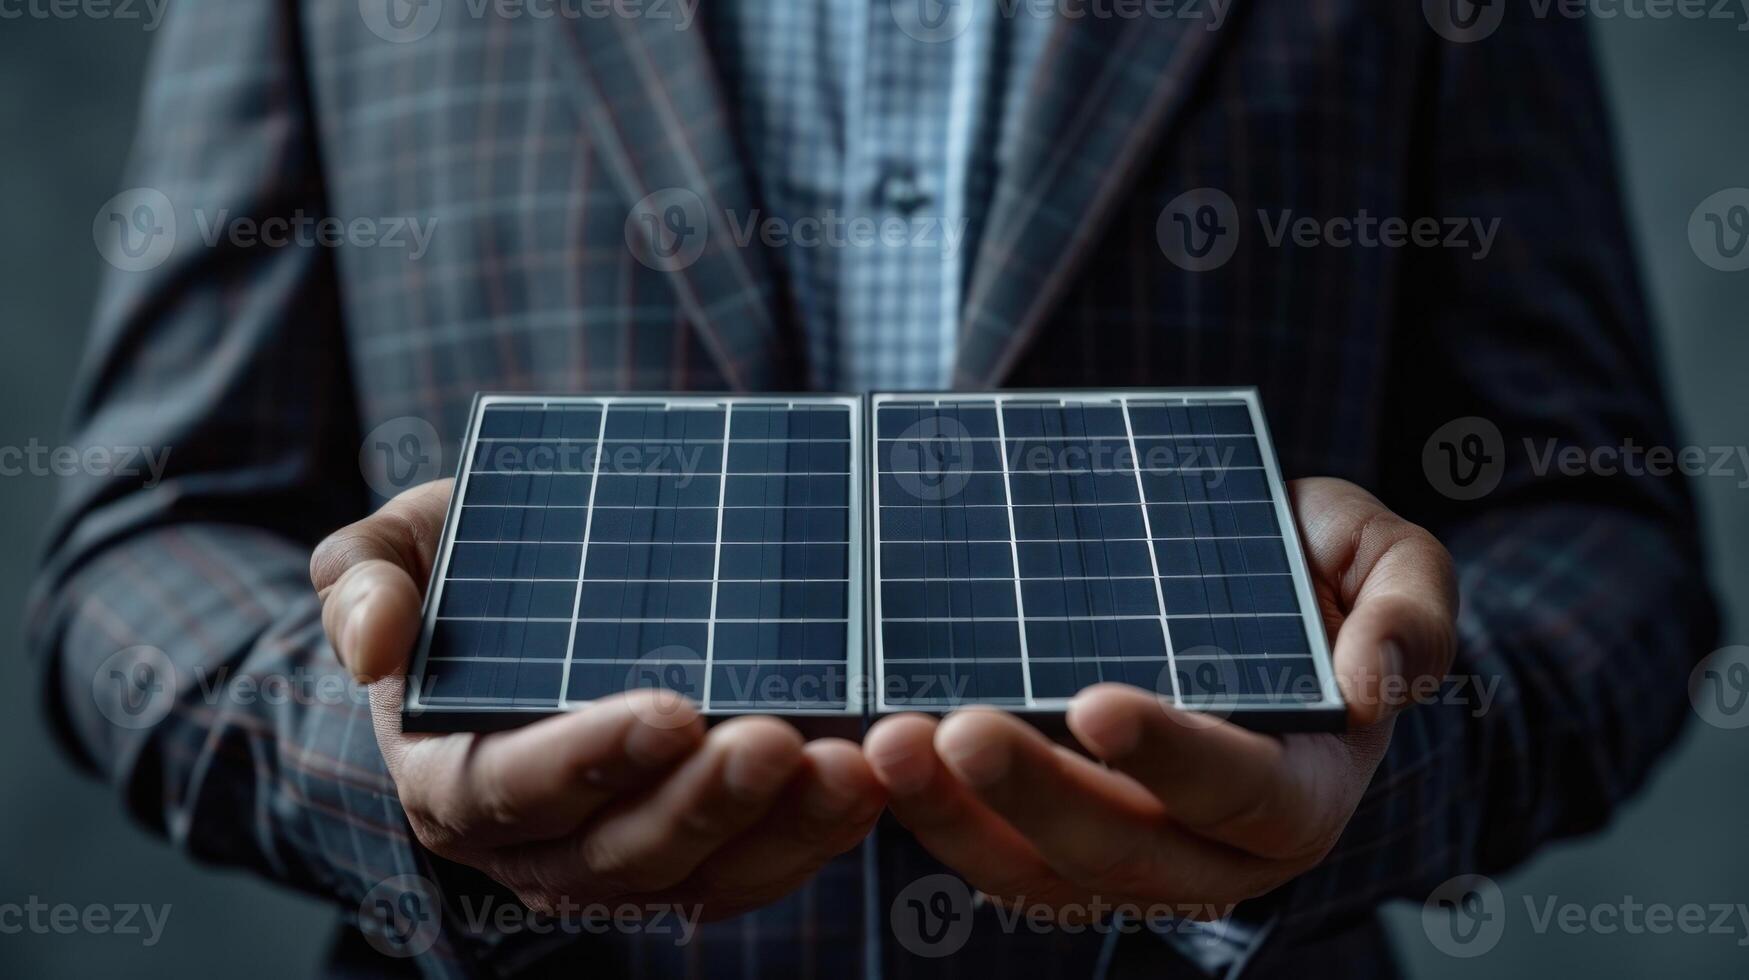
pixel 372 576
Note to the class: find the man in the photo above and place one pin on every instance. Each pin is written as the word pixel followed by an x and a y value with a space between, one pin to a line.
pixel 1116 201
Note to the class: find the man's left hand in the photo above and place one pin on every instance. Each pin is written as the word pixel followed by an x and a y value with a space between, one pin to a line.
pixel 1188 811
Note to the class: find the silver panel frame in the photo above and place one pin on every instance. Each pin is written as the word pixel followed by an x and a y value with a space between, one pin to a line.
pixel 1329 713
pixel 448 717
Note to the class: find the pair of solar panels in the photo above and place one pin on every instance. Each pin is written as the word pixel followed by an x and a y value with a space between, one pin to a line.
pixel 828 558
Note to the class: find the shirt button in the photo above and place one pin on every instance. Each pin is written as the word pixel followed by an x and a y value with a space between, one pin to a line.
pixel 901 191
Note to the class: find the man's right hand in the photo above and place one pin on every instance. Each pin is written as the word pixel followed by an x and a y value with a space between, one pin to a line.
pixel 628 799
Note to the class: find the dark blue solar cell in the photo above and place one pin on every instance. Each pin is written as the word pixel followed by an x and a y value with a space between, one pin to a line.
pixel 944 524
pixel 814 424
pixel 917 599
pixel 816 686
pixel 892 421
pixel 789 524
pixel 781 491
pixel 1090 597
pixel 798 642
pixel 650 561
pixel 939 457
pixel 1021 421
pixel 782 600
pixel 644 600
pixel 500 639
pixel 773 561
pixel 501 423
pixel 521 599
pixel 660 490
pixel 486 560
pixel 651 524
pixel 974 421
pixel 944 560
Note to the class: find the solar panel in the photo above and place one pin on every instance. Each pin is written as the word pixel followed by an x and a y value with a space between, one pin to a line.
pixel 1021 547
pixel 601 544
pixel 1026 546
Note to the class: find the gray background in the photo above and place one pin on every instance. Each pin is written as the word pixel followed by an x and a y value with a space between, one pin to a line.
pixel 71 87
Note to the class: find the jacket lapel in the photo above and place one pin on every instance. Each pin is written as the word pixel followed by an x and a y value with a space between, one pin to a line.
pixel 1105 91
pixel 654 106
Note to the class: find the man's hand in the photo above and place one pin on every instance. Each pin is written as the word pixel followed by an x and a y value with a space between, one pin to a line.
pixel 629 799
pixel 1188 812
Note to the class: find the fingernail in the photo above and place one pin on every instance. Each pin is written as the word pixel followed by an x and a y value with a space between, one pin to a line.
pixel 652 747
pixel 980 764
pixel 751 775
pixel 903 771
pixel 354 626
pixel 1391 658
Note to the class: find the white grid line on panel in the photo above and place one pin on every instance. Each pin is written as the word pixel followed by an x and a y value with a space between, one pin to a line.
pixel 1014 546
pixel 710 636
pixel 1153 559
pixel 582 563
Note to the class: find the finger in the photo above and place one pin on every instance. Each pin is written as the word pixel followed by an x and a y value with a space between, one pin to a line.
pixel 1397 587
pixel 948 821
pixel 725 788
pixel 1214 778
pixel 543 781
pixel 829 807
pixel 1089 825
pixel 372 578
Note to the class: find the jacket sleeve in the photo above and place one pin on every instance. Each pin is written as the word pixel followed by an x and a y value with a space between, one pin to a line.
pixel 234 733
pixel 1585 603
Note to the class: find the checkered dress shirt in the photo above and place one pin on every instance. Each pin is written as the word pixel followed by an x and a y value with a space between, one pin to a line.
pixel 876 138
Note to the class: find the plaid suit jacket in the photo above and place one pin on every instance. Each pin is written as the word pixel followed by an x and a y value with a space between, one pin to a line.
pixel 528 139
